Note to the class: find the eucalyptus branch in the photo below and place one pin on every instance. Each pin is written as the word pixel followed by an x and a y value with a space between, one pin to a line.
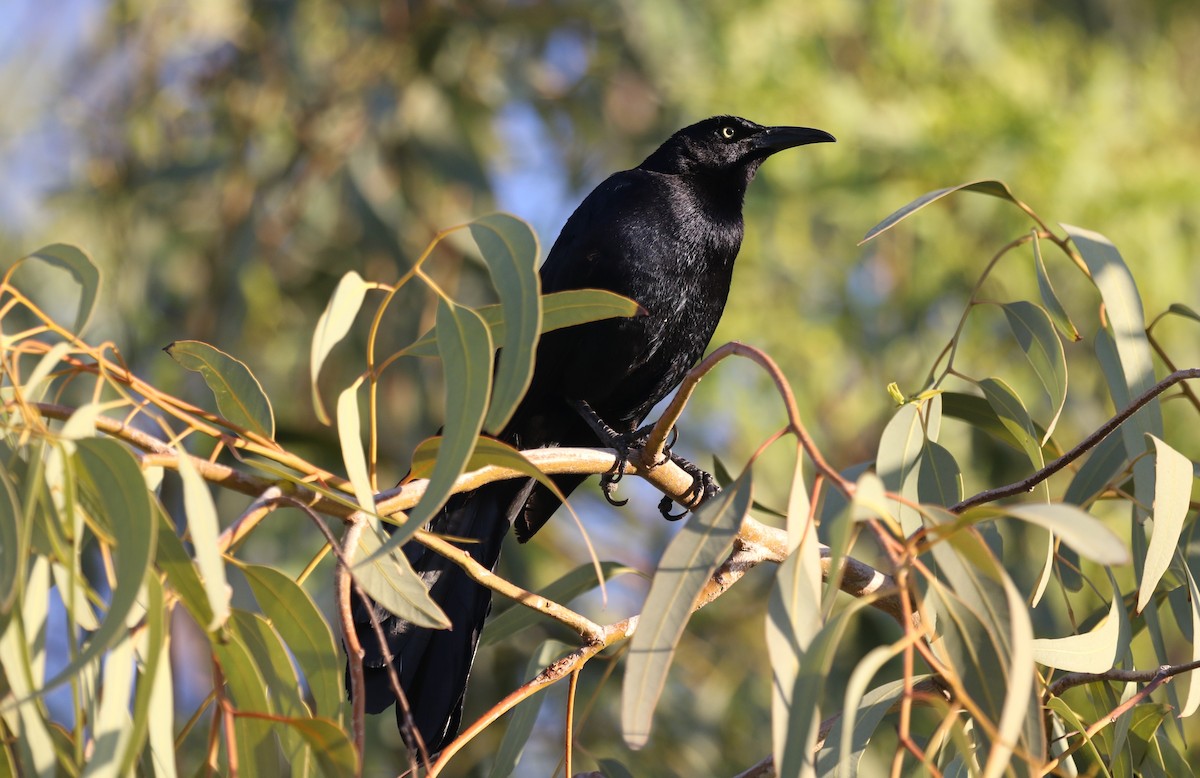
pixel 1071 680
pixel 1088 443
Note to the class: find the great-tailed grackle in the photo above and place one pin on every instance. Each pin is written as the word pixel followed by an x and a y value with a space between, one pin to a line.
pixel 664 234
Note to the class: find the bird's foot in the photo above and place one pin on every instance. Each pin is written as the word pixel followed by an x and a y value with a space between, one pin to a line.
pixel 704 488
pixel 622 443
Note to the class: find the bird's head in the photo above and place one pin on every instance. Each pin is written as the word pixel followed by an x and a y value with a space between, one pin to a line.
pixel 727 147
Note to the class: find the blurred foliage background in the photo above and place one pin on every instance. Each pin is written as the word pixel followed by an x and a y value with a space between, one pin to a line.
pixel 227 161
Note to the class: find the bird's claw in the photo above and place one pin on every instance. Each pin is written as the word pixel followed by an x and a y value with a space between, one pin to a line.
pixel 704 488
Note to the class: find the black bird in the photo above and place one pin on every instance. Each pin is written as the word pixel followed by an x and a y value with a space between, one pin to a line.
pixel 664 234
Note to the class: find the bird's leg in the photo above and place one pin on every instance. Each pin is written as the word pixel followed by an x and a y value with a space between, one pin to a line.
pixel 621 442
pixel 704 487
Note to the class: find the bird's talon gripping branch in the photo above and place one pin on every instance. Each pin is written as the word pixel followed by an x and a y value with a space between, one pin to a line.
pixel 704 488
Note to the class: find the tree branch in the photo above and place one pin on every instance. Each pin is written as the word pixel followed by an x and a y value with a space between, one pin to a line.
pixel 1090 442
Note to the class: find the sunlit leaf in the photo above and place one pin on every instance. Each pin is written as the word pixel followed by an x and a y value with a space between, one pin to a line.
pixel 685 567
pixel 332 326
pixel 1050 297
pixel 299 622
pixel 1127 330
pixel 466 351
pixel 389 579
pixel 115 487
pixel 1192 702
pixel 559 309
pixel 1079 529
pixel 113 725
pixel 273 662
pixel 1034 331
pixel 1072 720
pixel 1093 651
pixel 78 263
pixel 350 437
pixel 153 649
pixel 204 531
pixel 1172 493
pixel 240 397
pixel 182 577
pixel 993 188
pixel 898 462
pixel 510 250
pixel 523 718
pixel 23 659
pixel 517 617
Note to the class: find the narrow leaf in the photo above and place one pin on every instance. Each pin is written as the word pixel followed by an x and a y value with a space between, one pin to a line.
pixel 256 749
pixel 1077 528
pixel 349 431
pixel 510 250
pixel 1192 702
pixel 11 563
pixel 1015 418
pixel 686 565
pixel 559 309
pixel 1034 331
pixel 1180 309
pixel 993 188
pixel 78 263
pixel 1105 462
pixel 466 351
pixel 939 479
pixel 1089 652
pixel 114 485
pixel 332 326
pixel 204 530
pixel 1172 491
pixel 240 397
pixel 389 580
pixel 1050 298
pixel 299 622
pixel 975 411
pixel 898 462
pixel 113 724
pixel 329 744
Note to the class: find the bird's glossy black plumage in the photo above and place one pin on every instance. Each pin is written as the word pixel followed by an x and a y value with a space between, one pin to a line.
pixel 666 234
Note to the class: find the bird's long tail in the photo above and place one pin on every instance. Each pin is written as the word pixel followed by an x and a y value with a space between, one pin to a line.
pixel 433 665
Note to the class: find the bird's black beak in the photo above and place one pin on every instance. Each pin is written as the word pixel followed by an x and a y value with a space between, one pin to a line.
pixel 773 139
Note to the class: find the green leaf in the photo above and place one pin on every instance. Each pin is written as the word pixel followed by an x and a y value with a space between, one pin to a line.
pixel 793 608
pixel 1192 702
pixel 686 565
pixel 1050 298
pixel 466 350
pixel 332 326
pixel 204 531
pixel 78 263
pixel 1015 418
pixel 299 622
pixel 1076 527
pixel 898 463
pixel 510 250
pixel 611 768
pixel 559 309
pixel 976 412
pixel 1034 331
pixel 1102 466
pixel 988 187
pixel 861 715
pixel 22 656
pixel 328 743
pixel 349 430
pixel 1172 492
pixel 389 580
pixel 11 555
pixel 939 479
pixel 154 677
pixel 256 747
pixel 517 617
pixel 1072 720
pixel 279 676
pixel 113 724
pixel 1089 652
pixel 184 580
pixel 1180 309
pixel 523 718
pixel 1127 329
pixel 240 397
pixel 113 484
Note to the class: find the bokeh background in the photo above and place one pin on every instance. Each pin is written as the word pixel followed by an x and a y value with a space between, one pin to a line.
pixel 227 161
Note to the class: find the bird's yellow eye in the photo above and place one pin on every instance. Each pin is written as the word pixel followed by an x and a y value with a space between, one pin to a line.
pixel 727 132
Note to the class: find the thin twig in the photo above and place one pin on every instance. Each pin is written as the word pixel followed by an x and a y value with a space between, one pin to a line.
pixel 1088 443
